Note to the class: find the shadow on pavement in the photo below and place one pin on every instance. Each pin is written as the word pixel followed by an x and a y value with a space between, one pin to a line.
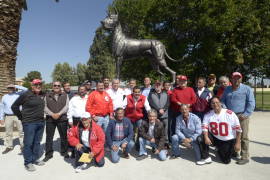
pixel 262 160
pixel 261 143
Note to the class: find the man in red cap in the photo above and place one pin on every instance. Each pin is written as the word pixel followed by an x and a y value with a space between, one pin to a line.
pixel 181 95
pixel 240 99
pixel 32 116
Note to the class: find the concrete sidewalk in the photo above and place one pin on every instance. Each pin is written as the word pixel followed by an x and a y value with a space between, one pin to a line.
pixel 11 164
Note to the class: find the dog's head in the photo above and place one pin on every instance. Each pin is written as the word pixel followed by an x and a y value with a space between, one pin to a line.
pixel 110 21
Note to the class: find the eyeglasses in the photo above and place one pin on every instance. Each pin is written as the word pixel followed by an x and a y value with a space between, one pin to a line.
pixel 56 85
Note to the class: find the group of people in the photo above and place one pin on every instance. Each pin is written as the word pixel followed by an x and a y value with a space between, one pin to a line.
pixel 166 117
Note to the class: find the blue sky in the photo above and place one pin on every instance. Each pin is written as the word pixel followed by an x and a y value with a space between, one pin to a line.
pixel 53 32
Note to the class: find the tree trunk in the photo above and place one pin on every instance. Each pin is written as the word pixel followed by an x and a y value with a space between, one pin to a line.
pixel 10 18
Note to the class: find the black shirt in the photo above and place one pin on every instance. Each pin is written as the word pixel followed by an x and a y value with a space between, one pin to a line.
pixel 32 107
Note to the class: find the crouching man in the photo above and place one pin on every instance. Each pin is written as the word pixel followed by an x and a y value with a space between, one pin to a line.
pixel 188 128
pixel 152 133
pixel 87 137
pixel 119 135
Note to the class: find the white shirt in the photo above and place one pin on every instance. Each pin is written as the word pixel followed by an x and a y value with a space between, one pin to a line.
pixel 76 107
pixel 201 91
pixel 85 137
pixel 128 91
pixel 223 125
pixel 117 97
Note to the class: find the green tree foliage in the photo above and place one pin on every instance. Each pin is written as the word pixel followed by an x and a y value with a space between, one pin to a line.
pixel 30 77
pixel 101 63
pixel 65 73
pixel 214 36
pixel 81 70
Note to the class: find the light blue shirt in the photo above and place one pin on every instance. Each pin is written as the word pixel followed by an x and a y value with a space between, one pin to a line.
pixel 193 128
pixel 8 100
pixel 239 101
pixel 146 91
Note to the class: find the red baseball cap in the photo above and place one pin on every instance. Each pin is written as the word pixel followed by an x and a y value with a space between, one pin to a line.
pixel 36 81
pixel 182 77
pixel 236 74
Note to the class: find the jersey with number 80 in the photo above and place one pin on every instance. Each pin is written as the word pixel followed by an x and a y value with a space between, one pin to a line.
pixel 223 125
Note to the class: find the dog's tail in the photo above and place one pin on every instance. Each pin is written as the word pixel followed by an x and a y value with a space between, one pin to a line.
pixel 170 58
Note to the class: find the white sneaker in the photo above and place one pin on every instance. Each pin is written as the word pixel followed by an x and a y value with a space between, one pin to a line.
pixel 80 168
pixel 204 161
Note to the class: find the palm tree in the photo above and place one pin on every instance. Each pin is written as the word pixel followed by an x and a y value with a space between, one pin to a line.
pixel 10 19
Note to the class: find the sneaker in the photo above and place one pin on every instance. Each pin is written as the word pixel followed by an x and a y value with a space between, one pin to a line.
pixel 39 163
pixel 8 149
pixel 204 161
pixel 142 157
pixel 80 168
pixel 47 158
pixel 30 167
pixel 242 161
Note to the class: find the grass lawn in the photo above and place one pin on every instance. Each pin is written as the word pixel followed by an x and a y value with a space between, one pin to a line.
pixel 266 101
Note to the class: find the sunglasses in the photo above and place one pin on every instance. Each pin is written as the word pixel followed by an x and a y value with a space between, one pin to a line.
pixel 56 85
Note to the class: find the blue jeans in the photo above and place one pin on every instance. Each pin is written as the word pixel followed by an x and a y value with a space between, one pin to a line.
pixel 162 154
pixel 103 122
pixel 33 132
pixel 176 140
pixel 115 154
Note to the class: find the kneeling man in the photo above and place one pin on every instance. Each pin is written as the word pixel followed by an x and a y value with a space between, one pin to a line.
pixel 87 137
pixel 119 134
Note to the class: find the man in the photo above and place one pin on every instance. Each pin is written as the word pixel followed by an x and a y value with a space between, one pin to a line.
pixel 88 86
pixel 211 84
pixel 77 106
pixel 56 107
pixel 188 128
pixel 132 83
pixel 106 82
pixel 135 104
pixel 147 87
pixel 119 135
pixel 159 100
pixel 32 116
pixel 67 90
pixel 87 137
pixel 200 107
pixel 221 128
pixel 181 95
pixel 152 133
pixel 8 118
pixel 240 99
pixel 117 94
pixel 224 82
pixel 167 87
pixel 100 106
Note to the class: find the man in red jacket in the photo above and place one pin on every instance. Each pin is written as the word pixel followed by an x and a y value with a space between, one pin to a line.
pixel 87 137
pixel 100 106
pixel 181 95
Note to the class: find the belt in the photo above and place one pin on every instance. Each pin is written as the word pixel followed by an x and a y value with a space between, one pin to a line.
pixel 76 117
pixel 9 115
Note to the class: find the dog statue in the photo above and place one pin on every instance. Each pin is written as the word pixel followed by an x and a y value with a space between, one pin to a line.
pixel 124 47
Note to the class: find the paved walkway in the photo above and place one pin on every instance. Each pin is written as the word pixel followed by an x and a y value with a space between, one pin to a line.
pixel 11 164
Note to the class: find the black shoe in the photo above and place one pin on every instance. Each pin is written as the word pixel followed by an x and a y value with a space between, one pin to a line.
pixel 47 158
pixel 7 150
pixel 153 150
pixel 141 157
pixel 242 161
pixel 174 157
pixel 66 155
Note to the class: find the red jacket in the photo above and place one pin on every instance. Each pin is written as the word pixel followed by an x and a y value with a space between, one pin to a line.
pixel 99 103
pixel 96 139
pixel 184 96
pixel 135 113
